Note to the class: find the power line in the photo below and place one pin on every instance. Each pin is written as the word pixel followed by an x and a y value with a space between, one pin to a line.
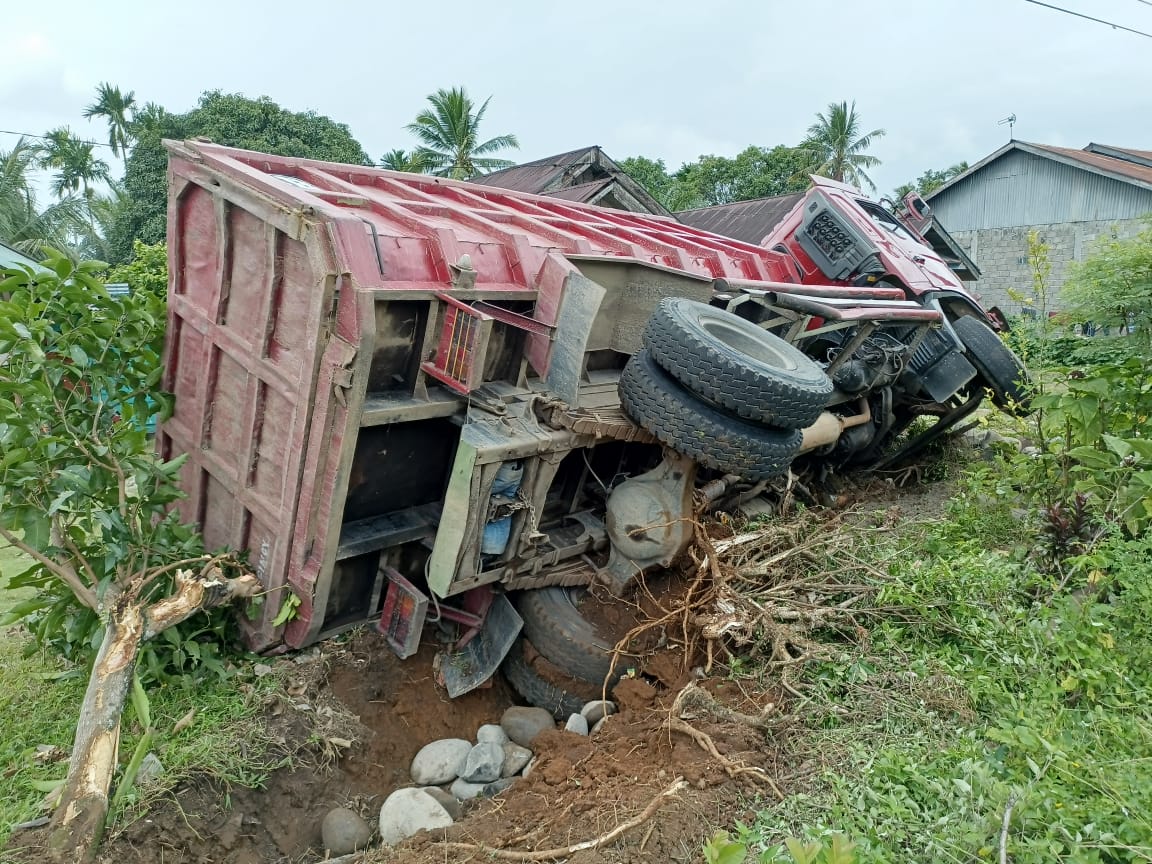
pixel 1090 18
pixel 1145 2
pixel 47 138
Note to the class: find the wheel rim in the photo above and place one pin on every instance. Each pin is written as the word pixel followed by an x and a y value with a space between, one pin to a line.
pixel 739 340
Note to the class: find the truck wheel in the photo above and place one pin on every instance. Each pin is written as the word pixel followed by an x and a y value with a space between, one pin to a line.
pixel 537 690
pixel 1001 370
pixel 692 427
pixel 554 624
pixel 736 364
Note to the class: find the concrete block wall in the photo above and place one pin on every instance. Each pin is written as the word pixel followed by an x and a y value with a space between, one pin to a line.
pixel 1002 256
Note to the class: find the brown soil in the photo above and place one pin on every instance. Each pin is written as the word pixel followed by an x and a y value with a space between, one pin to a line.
pixel 579 789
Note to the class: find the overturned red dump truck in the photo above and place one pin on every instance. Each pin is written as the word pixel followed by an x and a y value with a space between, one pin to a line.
pixel 406 398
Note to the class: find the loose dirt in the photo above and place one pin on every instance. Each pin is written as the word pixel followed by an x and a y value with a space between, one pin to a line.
pixel 579 789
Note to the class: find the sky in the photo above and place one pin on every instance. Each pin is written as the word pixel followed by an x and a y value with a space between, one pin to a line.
pixel 669 80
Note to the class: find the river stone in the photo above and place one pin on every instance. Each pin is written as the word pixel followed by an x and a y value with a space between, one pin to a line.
pixel 515 758
pixel 523 724
pixel 599 725
pixel 151 768
pixel 577 723
pixel 440 762
pixel 597 710
pixel 465 791
pixel 491 733
pixel 483 763
pixel 344 832
pixel 528 768
pixel 407 811
pixel 447 801
pixel 492 789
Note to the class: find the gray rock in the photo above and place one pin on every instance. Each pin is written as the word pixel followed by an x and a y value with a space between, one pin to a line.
pixel 440 762
pixel 522 725
pixel 344 832
pixel 261 669
pixel 151 768
pixel 495 788
pixel 528 768
pixel 483 763
pixel 597 710
pixel 577 723
pixel 491 733
pixel 408 811
pixel 599 725
pixel 465 791
pixel 515 758
pixel 447 800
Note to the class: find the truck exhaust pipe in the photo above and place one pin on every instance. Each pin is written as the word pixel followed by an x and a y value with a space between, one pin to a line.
pixel 829 427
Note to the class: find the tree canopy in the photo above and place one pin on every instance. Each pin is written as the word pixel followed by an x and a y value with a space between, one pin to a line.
pixel 449 134
pixel 226 118
pixel 835 146
pixel 930 181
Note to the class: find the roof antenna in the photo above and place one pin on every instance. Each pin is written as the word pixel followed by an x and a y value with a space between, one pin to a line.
pixel 1011 121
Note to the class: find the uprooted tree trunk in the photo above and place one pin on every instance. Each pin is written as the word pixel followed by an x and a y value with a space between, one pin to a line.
pixel 78 824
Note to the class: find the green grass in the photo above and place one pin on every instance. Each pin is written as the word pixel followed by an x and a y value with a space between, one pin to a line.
pixel 11 563
pixel 1005 690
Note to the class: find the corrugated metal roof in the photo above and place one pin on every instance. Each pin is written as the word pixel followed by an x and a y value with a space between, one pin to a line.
pixel 750 221
pixel 585 193
pixel 535 177
pixel 10 257
pixel 1122 167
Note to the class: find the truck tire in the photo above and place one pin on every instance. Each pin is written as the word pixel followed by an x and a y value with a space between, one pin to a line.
pixel 693 428
pixel 554 624
pixel 535 689
pixel 736 364
pixel 1001 370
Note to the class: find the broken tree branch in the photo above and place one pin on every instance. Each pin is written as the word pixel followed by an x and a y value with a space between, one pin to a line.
pixel 63 572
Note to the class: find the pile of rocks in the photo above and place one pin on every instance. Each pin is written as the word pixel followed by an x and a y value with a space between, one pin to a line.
pixel 452 770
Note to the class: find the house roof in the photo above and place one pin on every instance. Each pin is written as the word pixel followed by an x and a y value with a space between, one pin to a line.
pixel 10 257
pixel 1119 163
pixel 750 221
pixel 586 175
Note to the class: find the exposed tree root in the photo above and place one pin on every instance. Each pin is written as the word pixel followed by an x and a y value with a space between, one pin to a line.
pixel 564 851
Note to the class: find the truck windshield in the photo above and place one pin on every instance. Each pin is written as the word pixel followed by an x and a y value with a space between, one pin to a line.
pixel 886 220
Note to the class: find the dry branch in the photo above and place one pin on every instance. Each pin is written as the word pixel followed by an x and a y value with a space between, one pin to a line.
pixel 564 851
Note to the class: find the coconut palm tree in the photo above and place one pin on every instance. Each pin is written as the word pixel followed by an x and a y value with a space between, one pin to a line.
pixel 117 109
pixel 403 160
pixel 74 161
pixel 835 148
pixel 449 137
pixel 22 224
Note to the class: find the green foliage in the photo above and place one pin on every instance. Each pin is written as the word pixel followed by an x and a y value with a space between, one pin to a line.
pixel 23 225
pixel 1114 286
pixel 74 162
pixel 930 181
pixel 449 135
pixel 721 848
pixel 116 108
pixel 836 148
pixel 147 271
pixel 403 160
pixel 225 118
pixel 84 494
pixel 756 172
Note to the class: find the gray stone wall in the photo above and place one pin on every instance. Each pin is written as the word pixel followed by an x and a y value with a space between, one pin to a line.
pixel 1002 256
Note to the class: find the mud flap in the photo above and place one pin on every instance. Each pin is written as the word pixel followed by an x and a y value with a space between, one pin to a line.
pixel 467 669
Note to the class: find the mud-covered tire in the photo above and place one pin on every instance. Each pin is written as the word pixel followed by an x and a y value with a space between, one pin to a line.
pixel 1000 369
pixel 566 639
pixel 713 438
pixel 736 364
pixel 535 689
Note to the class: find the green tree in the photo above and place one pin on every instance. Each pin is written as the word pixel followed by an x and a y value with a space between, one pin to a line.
pixel 116 108
pixel 755 172
pixel 1114 285
pixel 449 136
pixel 835 148
pixel 74 162
pixel 147 271
pixel 229 119
pixel 930 181
pixel 22 224
pixel 403 160
pixel 652 174
pixel 85 497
